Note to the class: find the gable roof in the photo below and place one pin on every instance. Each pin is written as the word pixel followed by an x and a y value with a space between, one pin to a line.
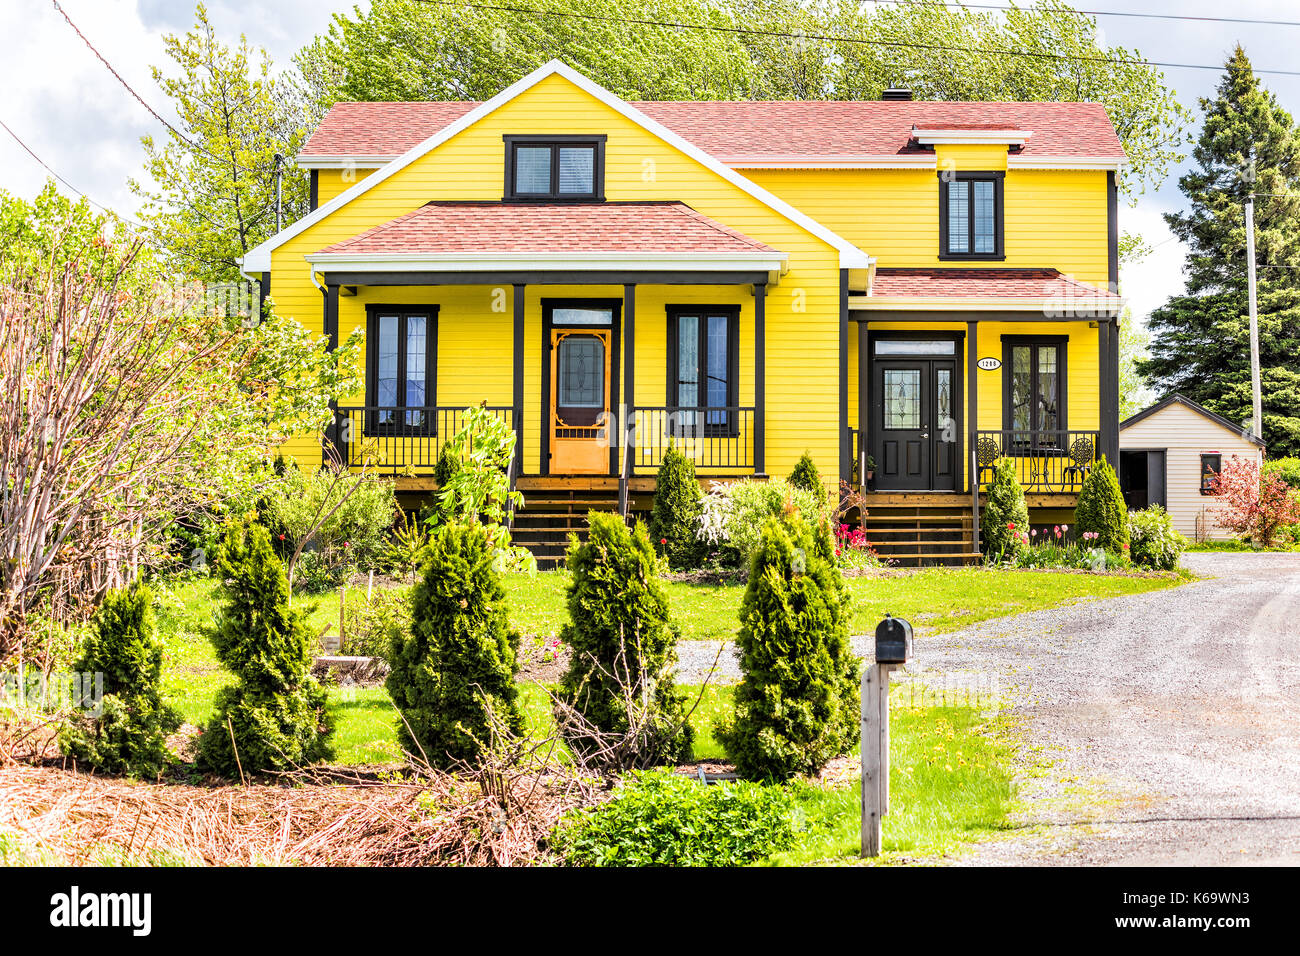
pixel 1177 398
pixel 755 134
pixel 851 257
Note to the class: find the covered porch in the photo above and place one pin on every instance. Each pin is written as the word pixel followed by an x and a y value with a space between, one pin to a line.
pixel 598 333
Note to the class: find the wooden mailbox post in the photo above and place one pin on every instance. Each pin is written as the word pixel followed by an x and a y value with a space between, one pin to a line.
pixel 893 649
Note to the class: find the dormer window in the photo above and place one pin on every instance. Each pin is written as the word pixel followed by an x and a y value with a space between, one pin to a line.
pixel 970 215
pixel 551 168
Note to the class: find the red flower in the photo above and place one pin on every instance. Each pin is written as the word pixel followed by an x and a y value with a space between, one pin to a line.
pixel 1011 526
pixel 281 537
pixel 663 540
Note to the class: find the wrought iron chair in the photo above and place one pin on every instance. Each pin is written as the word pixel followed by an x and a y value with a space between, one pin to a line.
pixel 1081 456
pixel 987 453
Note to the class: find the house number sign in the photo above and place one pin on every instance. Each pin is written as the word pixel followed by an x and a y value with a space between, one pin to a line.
pixel 989 364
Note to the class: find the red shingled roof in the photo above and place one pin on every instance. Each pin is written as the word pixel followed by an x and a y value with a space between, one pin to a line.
pixel 732 130
pixel 983 283
pixel 445 227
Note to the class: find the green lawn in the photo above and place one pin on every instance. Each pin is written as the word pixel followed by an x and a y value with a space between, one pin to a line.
pixel 934 600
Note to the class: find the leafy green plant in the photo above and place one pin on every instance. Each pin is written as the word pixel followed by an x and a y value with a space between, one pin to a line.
pixel 1004 520
pixel 797 705
pixel 130 734
pixel 1101 509
pixel 806 477
pixel 453 672
pixel 617 701
pixel 667 819
pixel 674 522
pixel 274 718
pixel 406 546
pixel 735 512
pixel 477 486
pixel 372 623
pixel 1153 542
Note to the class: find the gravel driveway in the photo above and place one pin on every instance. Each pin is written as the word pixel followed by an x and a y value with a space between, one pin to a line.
pixel 1170 721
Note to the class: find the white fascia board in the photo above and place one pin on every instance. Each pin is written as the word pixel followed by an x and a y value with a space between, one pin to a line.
pixel 851 257
pixel 971 137
pixel 1065 162
pixel 489 261
pixel 1080 307
pixel 350 162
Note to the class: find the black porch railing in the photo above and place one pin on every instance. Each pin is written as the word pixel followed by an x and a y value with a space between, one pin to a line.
pixel 719 438
pixel 1046 461
pixel 398 440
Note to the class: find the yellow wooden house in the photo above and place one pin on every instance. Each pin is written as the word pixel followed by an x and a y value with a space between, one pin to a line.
pixel 906 290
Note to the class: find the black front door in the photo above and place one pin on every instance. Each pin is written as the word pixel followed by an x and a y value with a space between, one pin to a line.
pixel 917 425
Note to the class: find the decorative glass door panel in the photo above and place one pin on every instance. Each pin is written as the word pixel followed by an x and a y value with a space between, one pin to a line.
pixel 579 401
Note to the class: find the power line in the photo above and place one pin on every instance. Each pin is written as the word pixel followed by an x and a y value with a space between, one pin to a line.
pixel 46 166
pixel 138 98
pixel 1096 13
pixel 832 38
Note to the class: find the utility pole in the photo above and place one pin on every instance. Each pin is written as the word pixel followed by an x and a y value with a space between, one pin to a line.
pixel 280 163
pixel 1258 402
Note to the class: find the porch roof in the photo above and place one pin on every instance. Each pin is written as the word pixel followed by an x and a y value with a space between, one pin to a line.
pixel 977 288
pixel 489 235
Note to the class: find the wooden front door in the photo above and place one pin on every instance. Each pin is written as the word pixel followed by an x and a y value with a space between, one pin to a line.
pixel 917 425
pixel 580 401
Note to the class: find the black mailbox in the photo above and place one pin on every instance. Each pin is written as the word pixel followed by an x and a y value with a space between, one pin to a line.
pixel 893 641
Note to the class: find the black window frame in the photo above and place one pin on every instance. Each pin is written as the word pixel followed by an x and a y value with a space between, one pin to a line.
pixel 1218 470
pixel 730 428
pixel 999 232
pixel 596 142
pixel 399 426
pixel 1062 344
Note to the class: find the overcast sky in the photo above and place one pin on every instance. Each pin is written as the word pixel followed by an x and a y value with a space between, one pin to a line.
pixel 77 118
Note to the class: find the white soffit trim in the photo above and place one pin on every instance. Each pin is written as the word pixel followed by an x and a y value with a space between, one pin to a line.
pixel 1064 162
pixel 804 161
pixel 851 257
pixel 349 162
pixel 971 137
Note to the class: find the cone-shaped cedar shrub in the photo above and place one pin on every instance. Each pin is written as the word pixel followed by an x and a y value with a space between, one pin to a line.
pixel 456 665
pixel 621 639
pixel 798 704
pixel 1101 509
pixel 806 476
pixel 130 736
pixel 675 520
pixel 276 712
pixel 1005 519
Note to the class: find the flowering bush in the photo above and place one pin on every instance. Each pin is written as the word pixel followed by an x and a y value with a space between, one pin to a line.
pixel 853 550
pixel 1153 542
pixel 1004 521
pixel 1253 503
pixel 733 515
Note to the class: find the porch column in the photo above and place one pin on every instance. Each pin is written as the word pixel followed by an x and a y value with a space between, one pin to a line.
pixel 972 426
pixel 330 326
pixel 517 412
pixel 864 401
pixel 846 439
pixel 1108 381
pixel 760 378
pixel 628 418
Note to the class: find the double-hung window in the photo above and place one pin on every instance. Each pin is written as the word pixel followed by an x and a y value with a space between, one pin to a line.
pixel 970 216
pixel 400 369
pixel 1211 465
pixel 1033 388
pixel 704 367
pixel 563 168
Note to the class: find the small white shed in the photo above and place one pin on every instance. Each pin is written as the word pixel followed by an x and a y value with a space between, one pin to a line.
pixel 1169 453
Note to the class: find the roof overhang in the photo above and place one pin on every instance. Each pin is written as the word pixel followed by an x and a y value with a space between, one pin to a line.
pixel 966 136
pixel 1061 308
pixel 831 161
pixel 696 265
pixel 344 162
pixel 1065 162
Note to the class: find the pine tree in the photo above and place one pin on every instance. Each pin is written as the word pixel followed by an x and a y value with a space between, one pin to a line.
pixel 806 476
pixel 130 736
pixel 1200 341
pixel 798 704
pixel 274 718
pixel 1101 509
pixel 455 669
pixel 1004 520
pixel 675 520
pixel 623 643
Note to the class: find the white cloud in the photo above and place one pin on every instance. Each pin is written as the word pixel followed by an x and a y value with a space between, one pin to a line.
pixel 1149 283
